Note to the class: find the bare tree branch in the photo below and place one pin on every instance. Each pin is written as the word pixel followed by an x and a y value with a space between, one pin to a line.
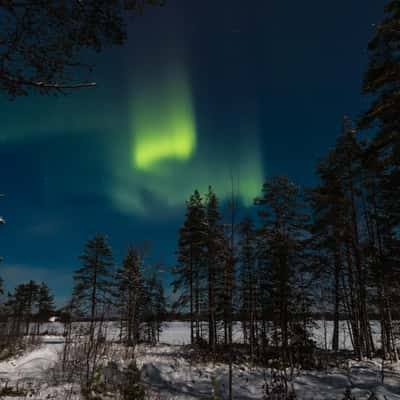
pixel 45 85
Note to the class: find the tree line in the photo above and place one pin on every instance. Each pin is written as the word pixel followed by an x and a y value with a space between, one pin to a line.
pixel 23 312
pixel 114 304
pixel 333 248
pixel 127 293
pixel 124 303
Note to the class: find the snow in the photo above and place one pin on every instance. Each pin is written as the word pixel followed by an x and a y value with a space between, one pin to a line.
pixel 170 374
pixel 178 333
pixel 34 364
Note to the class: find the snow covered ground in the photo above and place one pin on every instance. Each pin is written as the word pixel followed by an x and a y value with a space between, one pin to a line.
pixel 171 375
pixel 34 364
pixel 178 333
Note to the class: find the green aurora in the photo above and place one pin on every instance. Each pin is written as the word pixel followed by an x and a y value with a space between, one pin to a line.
pixel 169 158
pixel 163 126
pixel 155 154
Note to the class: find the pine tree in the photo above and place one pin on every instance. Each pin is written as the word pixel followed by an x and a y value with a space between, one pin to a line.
pixel 30 293
pixel 45 305
pixel 16 309
pixel 248 283
pixel 382 165
pixel 283 236
pixel 341 213
pixel 382 81
pixel 130 295
pixel 380 242
pixel 92 282
pixel 190 271
pixel 20 306
pixel 214 242
pixel 46 60
pixel 154 308
pixel 346 161
pixel 328 205
pixel 92 297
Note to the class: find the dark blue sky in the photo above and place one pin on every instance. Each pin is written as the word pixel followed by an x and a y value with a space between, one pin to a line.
pixel 260 87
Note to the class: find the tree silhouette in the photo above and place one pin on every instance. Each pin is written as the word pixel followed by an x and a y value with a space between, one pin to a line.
pixel 42 41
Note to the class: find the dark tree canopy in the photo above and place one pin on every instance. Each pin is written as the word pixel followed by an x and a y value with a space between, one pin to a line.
pixel 41 40
pixel 93 281
pixel 383 76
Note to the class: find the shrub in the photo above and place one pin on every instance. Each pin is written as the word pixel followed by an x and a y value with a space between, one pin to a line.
pixel 131 388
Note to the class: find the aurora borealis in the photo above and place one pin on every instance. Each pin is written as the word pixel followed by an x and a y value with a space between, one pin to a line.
pixel 163 123
pixel 169 154
pixel 220 94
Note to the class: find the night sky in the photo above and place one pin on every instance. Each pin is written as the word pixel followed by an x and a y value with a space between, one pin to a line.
pixel 201 92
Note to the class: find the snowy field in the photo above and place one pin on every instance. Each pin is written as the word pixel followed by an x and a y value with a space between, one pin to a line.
pixel 178 333
pixel 169 374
